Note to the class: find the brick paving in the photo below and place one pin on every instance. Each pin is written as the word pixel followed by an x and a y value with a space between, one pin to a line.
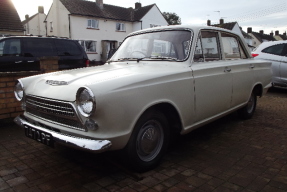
pixel 226 155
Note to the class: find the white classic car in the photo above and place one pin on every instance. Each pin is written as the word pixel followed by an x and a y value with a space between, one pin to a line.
pixel 160 82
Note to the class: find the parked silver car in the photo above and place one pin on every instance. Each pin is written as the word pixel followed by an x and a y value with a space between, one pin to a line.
pixel 160 82
pixel 275 52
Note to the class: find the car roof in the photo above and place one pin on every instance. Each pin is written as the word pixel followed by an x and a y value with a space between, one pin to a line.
pixel 194 28
pixel 34 37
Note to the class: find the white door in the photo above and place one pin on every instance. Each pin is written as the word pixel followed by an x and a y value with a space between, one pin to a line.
pixel 212 78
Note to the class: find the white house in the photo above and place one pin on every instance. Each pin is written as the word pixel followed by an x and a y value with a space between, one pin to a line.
pixel 35 25
pixel 99 27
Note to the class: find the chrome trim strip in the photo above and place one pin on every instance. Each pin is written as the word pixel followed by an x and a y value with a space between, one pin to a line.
pixel 76 142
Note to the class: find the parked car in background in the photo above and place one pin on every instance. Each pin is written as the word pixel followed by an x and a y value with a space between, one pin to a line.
pixel 22 53
pixel 160 82
pixel 275 52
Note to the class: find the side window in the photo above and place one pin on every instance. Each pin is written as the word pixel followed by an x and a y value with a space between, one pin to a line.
pixel 67 47
pixel 198 53
pixel 38 47
pixel 231 48
pixel 10 47
pixel 275 49
pixel 210 45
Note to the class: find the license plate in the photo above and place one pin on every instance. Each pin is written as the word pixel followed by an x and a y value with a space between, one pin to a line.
pixel 39 136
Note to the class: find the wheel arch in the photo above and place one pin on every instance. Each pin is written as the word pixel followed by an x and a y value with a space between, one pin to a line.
pixel 171 113
pixel 258 90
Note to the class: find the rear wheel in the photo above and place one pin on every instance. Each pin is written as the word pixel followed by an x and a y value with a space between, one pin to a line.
pixel 249 109
pixel 148 141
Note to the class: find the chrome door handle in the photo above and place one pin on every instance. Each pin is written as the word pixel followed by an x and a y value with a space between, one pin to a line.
pixel 18 61
pixel 252 66
pixel 30 61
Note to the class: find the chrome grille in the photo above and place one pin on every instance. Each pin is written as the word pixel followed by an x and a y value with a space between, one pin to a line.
pixel 54 111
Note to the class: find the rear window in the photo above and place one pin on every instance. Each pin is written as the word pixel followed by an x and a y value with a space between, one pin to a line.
pixel 37 47
pixel 275 49
pixel 67 47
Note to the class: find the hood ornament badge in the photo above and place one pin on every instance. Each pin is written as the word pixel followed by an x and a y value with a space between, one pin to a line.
pixel 52 82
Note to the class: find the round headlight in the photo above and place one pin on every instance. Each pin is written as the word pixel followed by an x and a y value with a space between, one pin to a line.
pixel 85 101
pixel 19 91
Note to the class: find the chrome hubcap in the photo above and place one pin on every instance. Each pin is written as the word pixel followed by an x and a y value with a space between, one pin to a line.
pixel 150 140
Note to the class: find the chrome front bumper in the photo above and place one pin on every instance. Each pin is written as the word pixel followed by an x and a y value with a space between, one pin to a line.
pixel 68 140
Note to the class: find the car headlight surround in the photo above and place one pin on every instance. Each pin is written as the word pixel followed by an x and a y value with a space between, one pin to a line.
pixel 85 101
pixel 19 91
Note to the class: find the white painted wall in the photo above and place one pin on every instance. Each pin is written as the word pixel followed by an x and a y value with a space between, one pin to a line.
pixel 59 16
pixel 107 31
pixel 36 25
pixel 154 17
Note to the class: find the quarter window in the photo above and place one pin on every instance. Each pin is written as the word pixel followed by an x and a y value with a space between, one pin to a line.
pixel 67 48
pixel 275 49
pixel 120 27
pixel 93 24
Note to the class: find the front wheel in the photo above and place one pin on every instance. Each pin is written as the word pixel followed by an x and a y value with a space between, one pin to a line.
pixel 248 110
pixel 148 141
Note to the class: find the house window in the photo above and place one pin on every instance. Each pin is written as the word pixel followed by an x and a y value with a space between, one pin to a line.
pixel 93 24
pixel 51 27
pixel 88 46
pixel 120 27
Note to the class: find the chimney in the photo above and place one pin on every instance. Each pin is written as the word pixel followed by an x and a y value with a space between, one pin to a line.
pixel 261 32
pixel 284 33
pixel 272 34
pixel 138 5
pixel 208 22
pixel 249 30
pixel 26 17
pixel 100 3
pixel 221 21
pixel 40 9
pixel 277 33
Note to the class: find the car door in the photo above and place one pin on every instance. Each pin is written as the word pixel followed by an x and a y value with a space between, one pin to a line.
pixel 212 78
pixel 274 54
pixel 283 66
pixel 11 58
pixel 241 68
pixel 35 48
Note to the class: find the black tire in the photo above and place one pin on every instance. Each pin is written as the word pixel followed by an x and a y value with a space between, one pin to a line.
pixel 248 110
pixel 148 142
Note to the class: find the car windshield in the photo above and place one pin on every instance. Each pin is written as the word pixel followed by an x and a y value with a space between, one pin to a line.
pixel 173 45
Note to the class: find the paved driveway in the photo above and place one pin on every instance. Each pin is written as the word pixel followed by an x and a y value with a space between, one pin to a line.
pixel 227 155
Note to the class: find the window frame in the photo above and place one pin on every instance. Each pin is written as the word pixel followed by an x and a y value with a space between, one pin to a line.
pixel 122 27
pixel 90 23
pixel 83 45
pixel 220 46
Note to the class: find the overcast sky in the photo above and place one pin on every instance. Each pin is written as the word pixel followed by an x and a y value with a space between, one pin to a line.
pixel 267 15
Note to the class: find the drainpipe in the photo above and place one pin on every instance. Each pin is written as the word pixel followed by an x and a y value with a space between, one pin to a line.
pixel 70 36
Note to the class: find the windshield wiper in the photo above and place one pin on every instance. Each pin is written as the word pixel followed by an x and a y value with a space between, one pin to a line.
pixel 158 57
pixel 127 59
